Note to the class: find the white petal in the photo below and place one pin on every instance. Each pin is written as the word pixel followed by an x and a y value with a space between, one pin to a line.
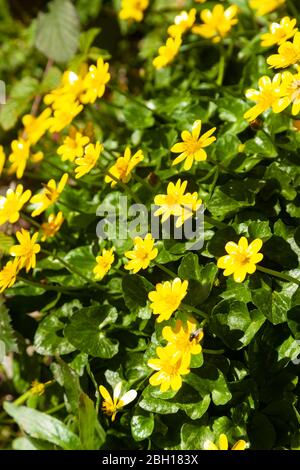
pixel 128 397
pixel 117 390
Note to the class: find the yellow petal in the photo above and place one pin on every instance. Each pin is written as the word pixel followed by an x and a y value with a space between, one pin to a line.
pixel 223 442
pixel 240 445
pixel 105 394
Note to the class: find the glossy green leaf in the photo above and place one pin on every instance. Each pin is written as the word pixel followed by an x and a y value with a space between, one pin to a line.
pixel 57 34
pixel 42 426
pixel 92 323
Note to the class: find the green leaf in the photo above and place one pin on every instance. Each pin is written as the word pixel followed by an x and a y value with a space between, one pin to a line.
pixel 189 268
pixel 87 38
pixel 274 304
pixel 86 331
pixel 135 292
pixel 20 97
pixel 227 146
pixel 261 144
pixel 91 433
pixel 186 399
pixel 83 260
pixel 234 324
pixel 67 378
pixel 137 116
pixel 209 379
pixel 261 432
pixel 57 33
pixel 232 110
pixel 193 436
pixel 279 250
pixel 25 443
pixel 42 426
pixel 49 338
pixel 283 176
pixel 6 243
pixel 201 278
pixel 232 197
pixel 142 425
pixel 259 229
pixel 7 334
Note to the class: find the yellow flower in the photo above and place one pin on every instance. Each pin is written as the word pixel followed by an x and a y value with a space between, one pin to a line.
pixel 177 203
pixel 27 250
pixel 49 195
pixel 288 54
pixel 37 157
pixel 69 90
pixel 241 258
pixel 170 366
pixel 53 225
pixel 73 146
pixel 8 274
pixel 133 9
pixel 263 7
pixel 182 23
pixel 182 338
pixel 86 163
pixel 2 159
pixel 35 127
pixel 217 23
pixel 64 115
pixel 142 254
pixel 223 444
pixel 167 297
pixel 279 32
pixel 12 203
pixel 19 156
pixel 38 388
pixel 95 81
pixel 111 405
pixel 123 167
pixel 291 89
pixel 104 262
pixel 192 146
pixel 269 95
pixel 167 53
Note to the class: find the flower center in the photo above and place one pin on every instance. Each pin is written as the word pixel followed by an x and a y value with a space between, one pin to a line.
pixel 12 206
pixel 192 146
pixel 109 408
pixel 122 168
pixel 142 254
pixel 242 259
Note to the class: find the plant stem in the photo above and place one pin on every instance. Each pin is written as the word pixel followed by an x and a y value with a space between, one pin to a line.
pixel 222 167
pixel 208 175
pixel 92 377
pixel 18 401
pixel 50 287
pixel 221 70
pixel 291 6
pixel 213 184
pixel 143 182
pixel 30 220
pixel 195 310
pixel 124 186
pixel 284 277
pixel 216 223
pixel 72 269
pixel 55 409
pixel 213 351
pixel 166 270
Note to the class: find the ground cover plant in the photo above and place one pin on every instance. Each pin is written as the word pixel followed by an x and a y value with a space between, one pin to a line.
pixel 148 117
